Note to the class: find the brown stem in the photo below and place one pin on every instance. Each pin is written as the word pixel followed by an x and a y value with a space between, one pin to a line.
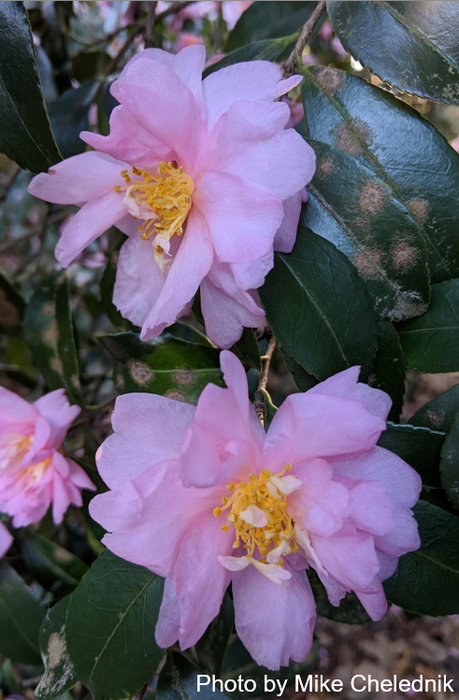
pixel 150 27
pixel 289 66
pixel 262 384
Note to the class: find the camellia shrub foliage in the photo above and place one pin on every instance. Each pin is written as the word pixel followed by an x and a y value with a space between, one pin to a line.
pixel 196 198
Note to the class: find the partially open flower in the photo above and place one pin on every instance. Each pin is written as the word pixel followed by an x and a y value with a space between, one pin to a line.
pixel 204 497
pixel 203 177
pixel 34 473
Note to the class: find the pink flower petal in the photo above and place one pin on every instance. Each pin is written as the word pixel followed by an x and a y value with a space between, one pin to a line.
pixel 374 601
pixel 350 558
pixel 285 237
pixel 274 622
pixel 6 540
pixel 58 412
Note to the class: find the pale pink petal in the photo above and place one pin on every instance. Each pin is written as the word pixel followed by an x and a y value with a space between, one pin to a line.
pixel 129 142
pixel 147 429
pixel 225 317
pixel 253 80
pixel 403 538
pixel 242 216
pixel 59 414
pixel 167 629
pixel 139 280
pixel 314 425
pixel 374 600
pixel 200 579
pixel 78 476
pixel 177 123
pixel 78 179
pixel 275 623
pixel 89 223
pixel 320 505
pixel 191 264
pixel 41 436
pixel 244 275
pixel 371 508
pixel 6 540
pixel 14 409
pixel 285 237
pixel 346 384
pixel 350 558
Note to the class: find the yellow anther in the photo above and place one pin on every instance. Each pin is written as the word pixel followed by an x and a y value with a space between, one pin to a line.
pixel 224 528
pixel 117 188
pixel 224 500
pixel 288 467
pixel 217 512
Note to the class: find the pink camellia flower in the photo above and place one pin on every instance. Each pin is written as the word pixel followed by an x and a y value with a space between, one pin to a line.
pixel 5 540
pixel 34 473
pixel 204 179
pixel 204 497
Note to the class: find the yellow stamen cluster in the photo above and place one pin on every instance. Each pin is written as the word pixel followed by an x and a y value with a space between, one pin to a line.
pixel 259 492
pixel 166 195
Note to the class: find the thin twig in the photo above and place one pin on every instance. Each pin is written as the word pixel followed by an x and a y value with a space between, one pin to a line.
pixel 262 384
pixel 150 27
pixel 289 66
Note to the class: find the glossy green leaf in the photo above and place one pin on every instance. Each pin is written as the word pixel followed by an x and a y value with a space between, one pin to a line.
pixel 388 373
pixel 266 50
pixel 12 306
pixel 25 134
pixel 399 146
pixel 303 380
pixel 247 349
pixel 426 581
pixel 411 45
pixel 449 463
pixel 59 674
pixel 168 365
pixel 355 209
pixel 110 627
pixel 70 115
pixel 53 566
pixel 49 333
pixel 271 20
pixel 211 648
pixel 106 292
pixel 420 447
pixel 189 333
pixel 238 662
pixel 439 413
pixel 430 343
pixel 350 610
pixel 21 616
pixel 178 680
pixel 319 309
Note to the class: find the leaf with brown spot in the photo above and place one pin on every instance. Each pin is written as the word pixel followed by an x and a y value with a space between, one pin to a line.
pixel 413 46
pixel 415 163
pixel 354 209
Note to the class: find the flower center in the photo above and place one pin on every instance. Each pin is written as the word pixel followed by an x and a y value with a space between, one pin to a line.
pixel 163 201
pixel 258 512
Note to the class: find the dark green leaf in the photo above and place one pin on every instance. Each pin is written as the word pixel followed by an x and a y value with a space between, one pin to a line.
pixel 426 581
pixel 420 447
pixel 319 309
pixel 238 662
pixel 53 566
pixel 388 373
pixel 90 65
pixel 439 413
pixel 178 681
pixel 449 463
pixel 110 627
pixel 349 611
pixel 247 349
pixel 168 365
pixel 12 306
pixel 302 379
pixel 263 20
pixel 430 343
pixel 189 333
pixel 106 292
pixel 59 673
pixel 20 618
pixel 404 150
pixel 70 115
pixel 355 209
pixel 25 134
pixel 411 45
pixel 267 50
pixel 49 333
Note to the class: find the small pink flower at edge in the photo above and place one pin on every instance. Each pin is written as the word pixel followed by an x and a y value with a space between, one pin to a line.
pixel 34 473
pixel 204 497
pixel 203 177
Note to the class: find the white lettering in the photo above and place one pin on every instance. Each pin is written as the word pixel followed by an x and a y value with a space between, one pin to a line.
pixel 353 685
